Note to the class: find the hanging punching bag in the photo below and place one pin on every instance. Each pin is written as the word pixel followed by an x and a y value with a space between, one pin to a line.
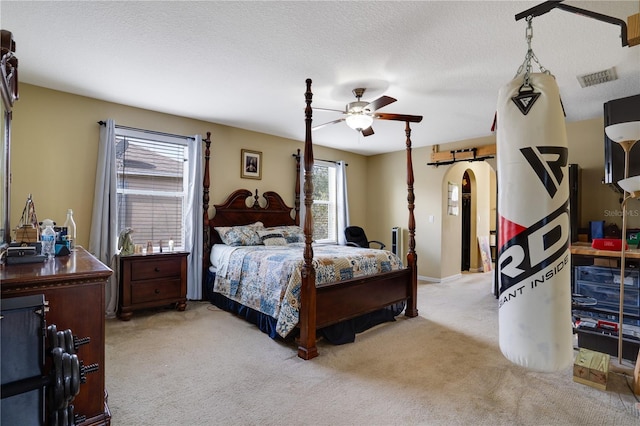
pixel 534 261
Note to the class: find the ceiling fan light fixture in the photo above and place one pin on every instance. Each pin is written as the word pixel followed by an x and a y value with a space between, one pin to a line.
pixel 359 121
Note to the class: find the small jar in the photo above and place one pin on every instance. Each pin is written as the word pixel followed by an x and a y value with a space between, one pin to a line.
pixel 149 247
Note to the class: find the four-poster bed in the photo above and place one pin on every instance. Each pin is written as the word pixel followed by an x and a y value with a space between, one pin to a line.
pixel 319 303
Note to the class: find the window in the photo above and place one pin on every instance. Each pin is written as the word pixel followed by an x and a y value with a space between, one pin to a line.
pixel 324 209
pixel 151 183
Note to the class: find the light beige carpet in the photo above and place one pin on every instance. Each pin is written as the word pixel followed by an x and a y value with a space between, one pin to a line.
pixel 206 367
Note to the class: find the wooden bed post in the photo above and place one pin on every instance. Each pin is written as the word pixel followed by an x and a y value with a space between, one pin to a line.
pixel 205 207
pixel 412 258
pixel 296 203
pixel 307 348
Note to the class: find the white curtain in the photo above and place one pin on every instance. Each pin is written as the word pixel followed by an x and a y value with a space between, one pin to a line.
pixel 104 235
pixel 193 221
pixel 342 201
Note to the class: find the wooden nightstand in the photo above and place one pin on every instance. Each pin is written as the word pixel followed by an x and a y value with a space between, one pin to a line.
pixel 152 280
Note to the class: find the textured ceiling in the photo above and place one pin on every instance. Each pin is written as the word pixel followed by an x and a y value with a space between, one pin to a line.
pixel 244 64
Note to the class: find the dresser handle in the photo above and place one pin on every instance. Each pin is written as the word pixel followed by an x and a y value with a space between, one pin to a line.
pixel 157 269
pixel 157 291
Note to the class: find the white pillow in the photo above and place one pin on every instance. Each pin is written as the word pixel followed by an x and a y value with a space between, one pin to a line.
pixel 292 233
pixel 272 238
pixel 239 235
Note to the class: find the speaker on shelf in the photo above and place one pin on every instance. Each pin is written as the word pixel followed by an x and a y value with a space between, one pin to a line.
pixel 396 241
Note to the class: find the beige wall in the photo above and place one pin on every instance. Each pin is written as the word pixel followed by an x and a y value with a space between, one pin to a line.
pixel 54 152
pixel 438 235
pixel 599 202
pixel 278 173
pixel 55 146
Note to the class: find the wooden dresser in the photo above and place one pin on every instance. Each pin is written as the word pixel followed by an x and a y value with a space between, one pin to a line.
pixel 152 280
pixel 74 287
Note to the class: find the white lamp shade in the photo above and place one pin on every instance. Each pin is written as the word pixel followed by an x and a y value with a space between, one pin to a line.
pixel 631 185
pixel 621 132
pixel 359 121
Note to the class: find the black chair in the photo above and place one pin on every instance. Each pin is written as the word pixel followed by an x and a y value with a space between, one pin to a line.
pixel 356 237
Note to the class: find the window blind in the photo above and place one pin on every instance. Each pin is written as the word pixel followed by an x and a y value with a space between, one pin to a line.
pixel 151 186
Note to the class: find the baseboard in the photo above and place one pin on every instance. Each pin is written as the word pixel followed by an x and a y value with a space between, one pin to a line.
pixel 439 280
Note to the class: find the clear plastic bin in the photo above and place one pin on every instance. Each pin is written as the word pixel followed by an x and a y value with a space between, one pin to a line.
pixel 604 275
pixel 608 297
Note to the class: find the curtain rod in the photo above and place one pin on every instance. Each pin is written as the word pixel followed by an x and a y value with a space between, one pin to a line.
pixel 320 159
pixel 470 160
pixel 102 123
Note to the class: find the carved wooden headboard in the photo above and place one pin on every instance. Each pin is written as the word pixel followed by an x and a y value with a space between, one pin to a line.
pixel 236 211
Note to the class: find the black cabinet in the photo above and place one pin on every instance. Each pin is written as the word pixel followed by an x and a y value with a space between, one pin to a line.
pixel 574 200
pixel 620 111
pixel 22 323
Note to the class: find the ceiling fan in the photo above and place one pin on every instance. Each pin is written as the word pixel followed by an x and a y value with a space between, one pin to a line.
pixel 359 115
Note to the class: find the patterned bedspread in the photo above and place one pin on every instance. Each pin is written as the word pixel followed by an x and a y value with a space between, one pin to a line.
pixel 268 278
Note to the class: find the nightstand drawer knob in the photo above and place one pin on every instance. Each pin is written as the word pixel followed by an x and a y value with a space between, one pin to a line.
pixel 157 291
pixel 157 269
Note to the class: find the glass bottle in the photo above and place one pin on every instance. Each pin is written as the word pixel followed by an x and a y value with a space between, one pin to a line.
pixel 70 224
pixel 48 241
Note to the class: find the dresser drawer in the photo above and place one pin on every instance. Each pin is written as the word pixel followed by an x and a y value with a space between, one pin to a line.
pixel 152 269
pixel 151 291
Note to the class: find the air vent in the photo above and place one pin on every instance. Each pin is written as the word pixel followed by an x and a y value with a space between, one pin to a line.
pixel 599 77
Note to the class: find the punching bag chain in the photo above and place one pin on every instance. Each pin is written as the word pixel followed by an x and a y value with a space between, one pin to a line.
pixel 530 56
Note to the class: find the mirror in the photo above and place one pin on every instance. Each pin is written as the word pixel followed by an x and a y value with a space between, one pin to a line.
pixel 9 94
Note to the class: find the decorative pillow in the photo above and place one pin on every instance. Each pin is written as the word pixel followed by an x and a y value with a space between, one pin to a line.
pixel 272 238
pixel 292 233
pixel 239 235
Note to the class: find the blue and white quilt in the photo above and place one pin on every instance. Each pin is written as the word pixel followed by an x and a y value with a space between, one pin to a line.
pixel 268 278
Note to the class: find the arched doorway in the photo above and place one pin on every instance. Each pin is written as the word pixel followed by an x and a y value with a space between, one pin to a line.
pixel 466 202
pixel 481 179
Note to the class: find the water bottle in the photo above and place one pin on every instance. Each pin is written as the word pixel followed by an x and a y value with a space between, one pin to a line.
pixel 48 241
pixel 71 229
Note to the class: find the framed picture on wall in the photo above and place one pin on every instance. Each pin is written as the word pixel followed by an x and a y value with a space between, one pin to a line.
pixel 251 164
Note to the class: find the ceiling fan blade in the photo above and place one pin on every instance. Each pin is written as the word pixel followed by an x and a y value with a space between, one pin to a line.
pixel 368 131
pixel 399 117
pixel 380 102
pixel 329 109
pixel 328 123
